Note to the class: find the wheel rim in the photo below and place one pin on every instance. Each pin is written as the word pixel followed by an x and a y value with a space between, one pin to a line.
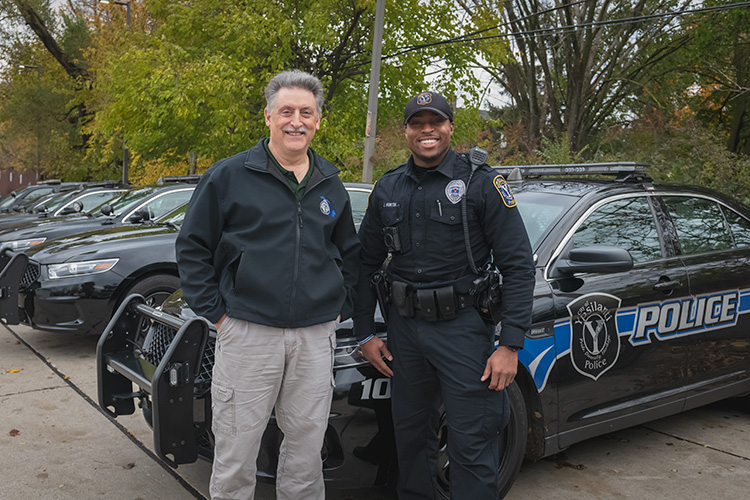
pixel 154 299
pixel 443 465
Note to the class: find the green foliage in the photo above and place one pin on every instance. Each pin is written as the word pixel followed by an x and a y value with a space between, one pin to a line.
pixel 557 152
pixel 689 153
pixel 190 77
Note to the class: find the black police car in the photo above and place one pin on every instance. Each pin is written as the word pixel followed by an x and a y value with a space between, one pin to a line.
pixel 65 203
pixel 640 311
pixel 73 284
pixel 18 201
pixel 134 206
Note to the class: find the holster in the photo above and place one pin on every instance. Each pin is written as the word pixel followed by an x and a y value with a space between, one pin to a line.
pixel 401 294
pixel 490 304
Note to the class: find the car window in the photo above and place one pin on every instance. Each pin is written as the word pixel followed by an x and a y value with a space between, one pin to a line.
pixel 539 210
pixel 739 226
pixel 176 216
pixel 44 201
pixel 8 200
pixel 168 202
pixel 96 198
pixel 626 223
pixel 37 193
pixel 359 204
pixel 55 201
pixel 128 199
pixel 699 223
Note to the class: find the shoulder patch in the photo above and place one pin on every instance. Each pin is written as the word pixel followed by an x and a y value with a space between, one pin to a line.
pixel 504 189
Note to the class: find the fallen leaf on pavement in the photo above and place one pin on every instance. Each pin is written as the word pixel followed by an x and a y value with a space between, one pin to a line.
pixel 14 432
pixel 14 370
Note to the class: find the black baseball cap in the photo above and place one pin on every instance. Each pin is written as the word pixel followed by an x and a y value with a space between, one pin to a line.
pixel 431 101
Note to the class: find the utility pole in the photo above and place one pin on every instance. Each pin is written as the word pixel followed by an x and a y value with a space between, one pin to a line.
pixel 38 82
pixel 125 150
pixel 372 103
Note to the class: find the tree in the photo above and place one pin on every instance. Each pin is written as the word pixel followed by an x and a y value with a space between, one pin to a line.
pixel 718 64
pixel 188 78
pixel 577 64
pixel 41 113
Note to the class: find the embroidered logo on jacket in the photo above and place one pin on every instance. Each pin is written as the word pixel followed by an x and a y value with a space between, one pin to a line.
pixel 326 208
pixel 504 189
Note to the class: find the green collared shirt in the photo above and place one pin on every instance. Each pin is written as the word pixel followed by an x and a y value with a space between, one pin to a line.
pixel 297 187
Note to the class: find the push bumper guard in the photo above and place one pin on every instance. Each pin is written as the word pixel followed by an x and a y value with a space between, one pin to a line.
pixel 162 355
pixel 12 267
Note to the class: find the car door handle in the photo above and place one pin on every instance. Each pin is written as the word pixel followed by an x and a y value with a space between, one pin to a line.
pixel 667 285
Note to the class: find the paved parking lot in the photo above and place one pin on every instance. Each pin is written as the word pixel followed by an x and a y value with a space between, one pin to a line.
pixel 56 444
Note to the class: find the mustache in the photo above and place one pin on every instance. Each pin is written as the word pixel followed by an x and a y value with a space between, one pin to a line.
pixel 301 129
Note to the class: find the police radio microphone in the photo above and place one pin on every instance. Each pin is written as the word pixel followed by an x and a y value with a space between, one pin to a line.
pixel 477 157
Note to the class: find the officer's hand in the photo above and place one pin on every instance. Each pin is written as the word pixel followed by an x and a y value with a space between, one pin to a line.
pixel 501 368
pixel 374 350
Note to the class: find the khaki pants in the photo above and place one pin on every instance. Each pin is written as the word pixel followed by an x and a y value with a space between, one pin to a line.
pixel 259 367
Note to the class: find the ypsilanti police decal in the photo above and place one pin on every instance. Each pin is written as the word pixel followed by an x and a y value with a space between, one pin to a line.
pixel 598 326
pixel 595 344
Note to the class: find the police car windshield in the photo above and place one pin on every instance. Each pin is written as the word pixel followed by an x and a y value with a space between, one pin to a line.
pixel 8 200
pixel 54 201
pixel 540 211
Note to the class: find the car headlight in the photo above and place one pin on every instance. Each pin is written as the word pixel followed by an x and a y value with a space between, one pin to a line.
pixel 69 269
pixel 21 245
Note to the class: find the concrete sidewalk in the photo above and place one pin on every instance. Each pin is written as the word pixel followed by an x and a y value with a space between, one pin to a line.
pixel 55 441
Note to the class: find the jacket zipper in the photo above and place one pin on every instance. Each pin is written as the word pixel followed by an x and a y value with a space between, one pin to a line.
pixel 295 274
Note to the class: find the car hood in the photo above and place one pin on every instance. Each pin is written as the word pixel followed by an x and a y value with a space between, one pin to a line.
pixel 103 243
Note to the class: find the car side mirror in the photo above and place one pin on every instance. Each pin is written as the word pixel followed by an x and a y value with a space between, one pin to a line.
pixel 142 215
pixel 107 209
pixel 593 259
pixel 73 208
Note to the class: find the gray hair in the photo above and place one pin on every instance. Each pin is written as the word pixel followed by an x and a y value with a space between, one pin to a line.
pixel 294 79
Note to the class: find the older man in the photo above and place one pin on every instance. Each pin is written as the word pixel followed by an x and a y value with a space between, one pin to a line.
pixel 268 252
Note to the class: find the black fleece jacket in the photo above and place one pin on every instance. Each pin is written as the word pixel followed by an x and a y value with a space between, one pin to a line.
pixel 250 250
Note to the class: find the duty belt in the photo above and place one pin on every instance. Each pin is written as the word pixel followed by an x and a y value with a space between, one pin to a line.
pixel 434 304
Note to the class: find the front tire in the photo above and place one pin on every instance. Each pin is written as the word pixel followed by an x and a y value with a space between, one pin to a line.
pixel 155 289
pixel 512 443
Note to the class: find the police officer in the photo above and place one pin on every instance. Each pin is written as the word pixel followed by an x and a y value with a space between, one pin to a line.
pixel 439 349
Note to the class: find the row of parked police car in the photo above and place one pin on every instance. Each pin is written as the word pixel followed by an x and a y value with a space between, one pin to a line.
pixel 641 310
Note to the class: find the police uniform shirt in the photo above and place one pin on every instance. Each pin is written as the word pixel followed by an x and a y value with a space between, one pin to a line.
pixel 426 210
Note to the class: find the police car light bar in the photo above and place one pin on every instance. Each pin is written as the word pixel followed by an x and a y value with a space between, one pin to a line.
pixel 620 169
pixel 190 179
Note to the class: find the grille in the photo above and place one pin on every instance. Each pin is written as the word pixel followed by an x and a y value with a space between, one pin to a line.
pixel 30 275
pixel 203 440
pixel 207 364
pixel 163 335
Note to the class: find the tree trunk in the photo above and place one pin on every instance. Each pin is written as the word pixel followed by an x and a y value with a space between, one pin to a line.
pixel 36 23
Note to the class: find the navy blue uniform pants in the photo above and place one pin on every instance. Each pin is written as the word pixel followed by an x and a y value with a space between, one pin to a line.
pixel 442 362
